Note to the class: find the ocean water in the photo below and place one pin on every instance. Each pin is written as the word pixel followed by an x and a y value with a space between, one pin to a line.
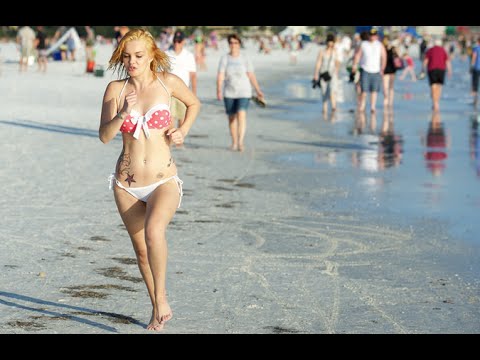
pixel 410 163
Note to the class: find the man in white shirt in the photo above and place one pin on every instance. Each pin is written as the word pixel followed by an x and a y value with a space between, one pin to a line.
pixel 372 58
pixel 184 66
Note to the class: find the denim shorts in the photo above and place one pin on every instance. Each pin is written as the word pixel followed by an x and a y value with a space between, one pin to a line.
pixel 232 106
pixel 370 82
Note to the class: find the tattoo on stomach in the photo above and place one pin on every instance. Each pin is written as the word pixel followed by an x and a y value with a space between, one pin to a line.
pixel 123 164
pixel 123 168
pixel 129 179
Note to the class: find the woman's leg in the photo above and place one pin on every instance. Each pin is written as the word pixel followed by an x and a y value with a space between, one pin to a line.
pixel 233 126
pixel 242 128
pixel 333 94
pixel 386 89
pixel 161 207
pixel 391 90
pixel 325 87
pixel 132 211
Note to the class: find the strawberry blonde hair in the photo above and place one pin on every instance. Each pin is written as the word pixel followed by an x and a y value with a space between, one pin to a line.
pixel 160 60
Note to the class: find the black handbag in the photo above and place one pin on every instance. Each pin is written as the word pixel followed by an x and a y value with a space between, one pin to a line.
pixel 325 76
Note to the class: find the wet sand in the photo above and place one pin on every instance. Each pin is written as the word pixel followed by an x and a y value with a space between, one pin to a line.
pixel 266 241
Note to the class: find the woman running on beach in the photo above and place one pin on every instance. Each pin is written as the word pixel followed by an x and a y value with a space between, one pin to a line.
pixel 145 184
pixel 235 78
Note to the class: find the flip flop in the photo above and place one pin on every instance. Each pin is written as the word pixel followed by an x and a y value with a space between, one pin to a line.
pixel 259 101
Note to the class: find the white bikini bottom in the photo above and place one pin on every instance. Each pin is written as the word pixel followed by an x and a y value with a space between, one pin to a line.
pixel 144 192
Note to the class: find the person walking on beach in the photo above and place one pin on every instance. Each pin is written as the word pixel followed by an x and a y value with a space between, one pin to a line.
pixel 235 78
pixel 200 52
pixel 145 183
pixel 436 62
pixel 184 66
pixel 372 58
pixel 327 63
pixel 41 45
pixel 26 40
pixel 409 67
pixel 475 71
pixel 389 73
pixel 423 48
pixel 89 48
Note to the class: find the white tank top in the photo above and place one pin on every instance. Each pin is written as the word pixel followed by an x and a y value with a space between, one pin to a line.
pixel 371 56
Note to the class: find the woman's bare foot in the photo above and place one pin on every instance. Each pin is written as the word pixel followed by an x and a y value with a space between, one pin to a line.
pixel 154 324
pixel 241 148
pixel 164 313
pixel 234 147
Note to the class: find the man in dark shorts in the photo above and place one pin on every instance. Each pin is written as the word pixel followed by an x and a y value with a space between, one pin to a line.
pixel 436 62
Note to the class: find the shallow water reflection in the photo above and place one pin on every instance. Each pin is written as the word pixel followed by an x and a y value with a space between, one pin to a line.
pixel 410 160
pixel 436 142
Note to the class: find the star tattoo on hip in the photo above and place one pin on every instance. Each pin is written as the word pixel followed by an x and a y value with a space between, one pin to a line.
pixel 129 179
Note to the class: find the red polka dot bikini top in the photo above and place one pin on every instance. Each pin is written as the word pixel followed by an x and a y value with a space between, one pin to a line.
pixel 157 117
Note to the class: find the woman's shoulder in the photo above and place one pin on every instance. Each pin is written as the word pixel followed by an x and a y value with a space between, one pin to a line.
pixel 167 77
pixel 115 85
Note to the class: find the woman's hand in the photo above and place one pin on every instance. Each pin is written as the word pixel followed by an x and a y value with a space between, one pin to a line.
pixel 176 136
pixel 130 101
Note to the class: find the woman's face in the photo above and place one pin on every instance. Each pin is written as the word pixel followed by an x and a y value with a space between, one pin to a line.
pixel 234 44
pixel 136 58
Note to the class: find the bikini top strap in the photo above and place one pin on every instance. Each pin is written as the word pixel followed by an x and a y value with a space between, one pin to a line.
pixel 168 93
pixel 121 92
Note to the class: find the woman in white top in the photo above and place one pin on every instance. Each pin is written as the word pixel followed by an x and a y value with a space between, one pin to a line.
pixel 235 78
pixel 328 61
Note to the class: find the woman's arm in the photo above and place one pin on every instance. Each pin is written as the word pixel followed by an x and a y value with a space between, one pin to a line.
pixel 111 119
pixel 318 65
pixel 383 61
pixel 356 59
pixel 254 82
pixel 220 78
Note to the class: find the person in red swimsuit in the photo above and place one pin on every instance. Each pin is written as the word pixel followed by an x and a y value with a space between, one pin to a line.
pixel 145 184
